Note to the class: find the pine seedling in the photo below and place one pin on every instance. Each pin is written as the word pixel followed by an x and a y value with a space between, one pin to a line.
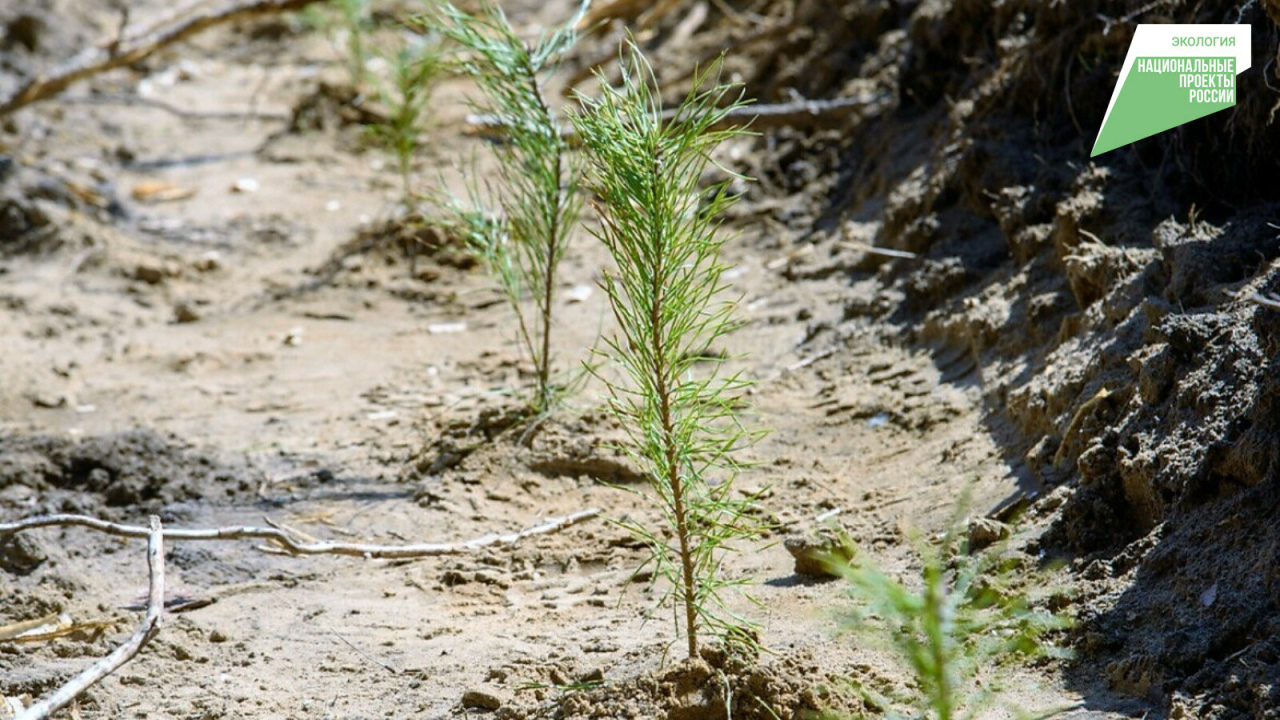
pixel 524 237
pixel 414 70
pixel 968 618
pixel 668 297
pixel 354 20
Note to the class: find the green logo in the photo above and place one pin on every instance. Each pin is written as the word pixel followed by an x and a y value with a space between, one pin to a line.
pixel 1173 74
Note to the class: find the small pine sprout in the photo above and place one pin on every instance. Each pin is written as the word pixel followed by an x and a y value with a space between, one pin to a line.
pixel 415 67
pixel 667 295
pixel 524 232
pixel 968 618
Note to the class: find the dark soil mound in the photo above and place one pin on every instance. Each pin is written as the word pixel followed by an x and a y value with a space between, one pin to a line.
pixel 133 469
pixel 37 208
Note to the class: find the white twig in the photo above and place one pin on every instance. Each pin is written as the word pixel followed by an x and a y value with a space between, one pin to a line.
pixel 875 250
pixel 801 364
pixel 120 99
pixel 121 655
pixel 1270 301
pixel 385 666
pixel 290 544
pixel 827 515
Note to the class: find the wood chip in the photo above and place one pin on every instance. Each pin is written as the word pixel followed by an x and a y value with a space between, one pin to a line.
pixel 160 192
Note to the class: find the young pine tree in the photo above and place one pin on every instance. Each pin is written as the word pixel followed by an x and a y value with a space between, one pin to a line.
pixel 667 296
pixel 414 67
pixel 523 238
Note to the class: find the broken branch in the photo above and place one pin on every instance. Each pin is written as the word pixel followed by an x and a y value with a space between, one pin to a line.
pixel 1271 301
pixel 800 113
pixel 625 10
pixel 107 99
pixel 121 655
pixel 62 626
pixel 22 627
pixel 289 544
pixel 122 50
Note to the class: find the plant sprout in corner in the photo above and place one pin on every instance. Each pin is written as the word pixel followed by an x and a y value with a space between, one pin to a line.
pixel 969 617
pixel 523 239
pixel 667 296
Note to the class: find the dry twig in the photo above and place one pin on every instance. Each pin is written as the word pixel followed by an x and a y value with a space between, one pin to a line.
pixel 625 10
pixel 877 250
pixel 18 629
pixel 287 543
pixel 385 666
pixel 800 365
pixel 121 655
pixel 174 110
pixel 124 49
pixel 59 626
pixel 803 113
pixel 1271 301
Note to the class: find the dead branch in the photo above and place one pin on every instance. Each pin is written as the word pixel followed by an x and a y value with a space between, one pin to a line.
pixel 287 543
pixel 121 655
pixel 1271 301
pixel 803 113
pixel 233 115
pixel 62 628
pixel 126 49
pixel 20 628
pixel 625 10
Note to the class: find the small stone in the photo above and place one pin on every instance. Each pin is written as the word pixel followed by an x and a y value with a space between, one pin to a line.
pixel 185 312
pixel 46 400
pixel 481 699
pixel 985 532
pixel 446 328
pixel 154 272
pixel 217 636
pixel 20 554
pixel 11 707
pixel 814 552
pixel 209 262
pixel 148 273
pixel 1053 500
